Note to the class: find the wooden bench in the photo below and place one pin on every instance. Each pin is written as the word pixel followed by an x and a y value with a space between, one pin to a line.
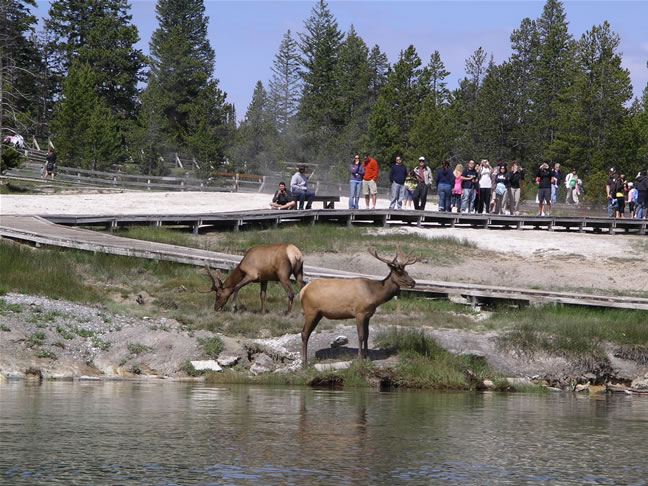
pixel 328 202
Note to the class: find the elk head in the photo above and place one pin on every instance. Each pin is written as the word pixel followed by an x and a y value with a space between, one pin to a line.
pixel 222 293
pixel 399 274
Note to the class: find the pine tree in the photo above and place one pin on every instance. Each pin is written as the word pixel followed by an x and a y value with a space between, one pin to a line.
pixel 379 68
pixel 19 68
pixel 522 63
pixel 591 129
pixel 256 134
pixel 85 130
pixel 181 98
pixel 285 84
pixel 398 105
pixel 552 73
pixel 436 73
pixel 319 45
pixel 100 34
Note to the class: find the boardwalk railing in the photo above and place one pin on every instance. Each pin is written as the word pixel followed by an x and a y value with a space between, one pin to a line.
pixel 222 182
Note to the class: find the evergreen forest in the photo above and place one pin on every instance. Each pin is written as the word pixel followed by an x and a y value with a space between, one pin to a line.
pixel 79 80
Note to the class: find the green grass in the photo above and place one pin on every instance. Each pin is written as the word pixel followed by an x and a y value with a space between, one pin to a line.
pixel 309 239
pixel 212 346
pixel 7 308
pixel 37 338
pixel 425 364
pixel 570 331
pixel 137 348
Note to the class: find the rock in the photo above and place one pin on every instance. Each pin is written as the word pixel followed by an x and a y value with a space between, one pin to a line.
pixel 640 383
pixel 15 375
pixel 597 388
pixel 206 365
pixel 581 388
pixel 340 365
pixel 489 384
pixel 339 341
pixel 519 381
pixel 228 361
pixel 262 364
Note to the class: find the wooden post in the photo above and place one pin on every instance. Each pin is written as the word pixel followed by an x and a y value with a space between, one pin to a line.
pixel 178 161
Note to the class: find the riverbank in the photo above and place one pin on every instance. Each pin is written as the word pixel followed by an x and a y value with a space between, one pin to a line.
pixel 144 324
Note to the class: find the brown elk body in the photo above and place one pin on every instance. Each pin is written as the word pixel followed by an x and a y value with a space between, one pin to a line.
pixel 263 264
pixel 336 298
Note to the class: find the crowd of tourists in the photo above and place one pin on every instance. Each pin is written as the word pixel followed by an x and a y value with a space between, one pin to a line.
pixel 627 198
pixel 476 188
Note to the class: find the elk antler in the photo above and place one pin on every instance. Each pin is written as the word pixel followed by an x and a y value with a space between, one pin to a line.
pixel 384 260
pixel 406 259
pixel 216 281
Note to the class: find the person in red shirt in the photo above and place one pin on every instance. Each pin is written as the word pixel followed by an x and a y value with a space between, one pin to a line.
pixel 369 180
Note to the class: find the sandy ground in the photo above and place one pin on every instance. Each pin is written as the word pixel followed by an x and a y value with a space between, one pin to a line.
pixel 530 258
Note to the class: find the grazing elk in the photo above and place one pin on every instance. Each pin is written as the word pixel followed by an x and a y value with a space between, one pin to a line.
pixel 263 264
pixel 337 298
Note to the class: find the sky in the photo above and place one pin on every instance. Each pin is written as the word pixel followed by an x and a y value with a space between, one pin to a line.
pixel 245 35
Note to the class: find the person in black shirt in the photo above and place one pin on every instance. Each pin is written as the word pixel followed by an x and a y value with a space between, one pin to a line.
pixel 50 164
pixel 282 199
pixel 544 179
pixel 517 175
pixel 469 180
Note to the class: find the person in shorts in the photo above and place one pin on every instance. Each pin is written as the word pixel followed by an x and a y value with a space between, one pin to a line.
pixel 370 180
pixel 544 179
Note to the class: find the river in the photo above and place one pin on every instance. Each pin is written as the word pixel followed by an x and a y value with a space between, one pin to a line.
pixel 126 433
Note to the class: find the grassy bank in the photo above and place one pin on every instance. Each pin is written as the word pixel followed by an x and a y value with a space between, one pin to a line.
pixel 140 287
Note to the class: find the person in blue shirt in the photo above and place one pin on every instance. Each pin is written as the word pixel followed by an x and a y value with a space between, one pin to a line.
pixel 469 180
pixel 444 180
pixel 397 176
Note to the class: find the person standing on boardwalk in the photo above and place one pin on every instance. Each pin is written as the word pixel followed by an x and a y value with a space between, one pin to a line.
pixel 555 184
pixel 444 180
pixel 468 184
pixel 370 180
pixel 517 175
pixel 610 184
pixel 423 182
pixel 50 164
pixel 544 179
pixel 485 185
pixel 571 183
pixel 641 183
pixel 397 176
pixel 356 171
pixel 299 188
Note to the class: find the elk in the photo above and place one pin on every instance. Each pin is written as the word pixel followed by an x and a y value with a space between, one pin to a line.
pixel 336 298
pixel 263 264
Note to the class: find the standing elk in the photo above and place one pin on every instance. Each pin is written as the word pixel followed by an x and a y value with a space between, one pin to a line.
pixel 263 264
pixel 336 298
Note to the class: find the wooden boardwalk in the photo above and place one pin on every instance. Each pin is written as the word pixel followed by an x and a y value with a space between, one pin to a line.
pixel 40 231
pixel 380 217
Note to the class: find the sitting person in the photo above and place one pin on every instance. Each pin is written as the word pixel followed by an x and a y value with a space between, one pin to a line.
pixel 282 199
pixel 299 188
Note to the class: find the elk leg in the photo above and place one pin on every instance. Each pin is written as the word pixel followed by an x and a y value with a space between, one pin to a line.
pixel 236 289
pixel 299 277
pixel 264 287
pixel 310 321
pixel 362 323
pixel 291 295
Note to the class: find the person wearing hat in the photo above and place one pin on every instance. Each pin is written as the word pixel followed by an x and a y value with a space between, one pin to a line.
pixel 299 188
pixel 610 184
pixel 423 176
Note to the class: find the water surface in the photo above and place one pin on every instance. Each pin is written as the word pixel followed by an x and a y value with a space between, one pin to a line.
pixel 122 433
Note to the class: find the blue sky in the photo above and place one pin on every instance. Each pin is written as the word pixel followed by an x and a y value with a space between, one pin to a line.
pixel 246 34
